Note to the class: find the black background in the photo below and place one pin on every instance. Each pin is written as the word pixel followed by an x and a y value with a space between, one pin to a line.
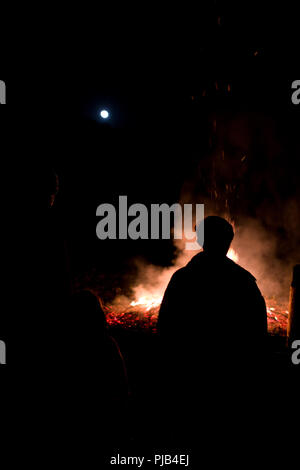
pixel 53 92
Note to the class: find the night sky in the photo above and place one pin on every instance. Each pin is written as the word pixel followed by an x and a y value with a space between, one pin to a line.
pixel 156 139
pixel 159 136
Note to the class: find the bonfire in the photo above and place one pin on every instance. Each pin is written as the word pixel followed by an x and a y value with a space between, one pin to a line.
pixel 142 311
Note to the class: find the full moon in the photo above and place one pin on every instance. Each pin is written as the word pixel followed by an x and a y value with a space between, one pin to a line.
pixel 104 114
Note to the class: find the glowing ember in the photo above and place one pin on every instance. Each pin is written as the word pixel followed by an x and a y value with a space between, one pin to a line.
pixel 143 314
pixel 277 317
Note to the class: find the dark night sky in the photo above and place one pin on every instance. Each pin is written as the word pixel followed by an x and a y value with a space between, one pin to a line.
pixel 157 135
pixel 158 139
pixel 155 141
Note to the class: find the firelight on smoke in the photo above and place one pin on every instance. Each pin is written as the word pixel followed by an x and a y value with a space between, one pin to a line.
pixel 142 312
pixel 151 300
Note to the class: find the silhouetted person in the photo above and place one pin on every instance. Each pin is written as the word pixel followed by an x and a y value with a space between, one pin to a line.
pixel 35 325
pixel 97 374
pixel 51 280
pixel 213 327
pixel 92 345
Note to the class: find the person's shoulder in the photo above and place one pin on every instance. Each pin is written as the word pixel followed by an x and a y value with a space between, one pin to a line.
pixel 186 270
pixel 241 272
pixel 177 280
pixel 185 273
pixel 181 273
pixel 177 276
pixel 199 260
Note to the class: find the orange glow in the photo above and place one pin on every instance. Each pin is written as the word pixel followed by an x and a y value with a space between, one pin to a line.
pixel 233 255
pixel 143 310
pixel 148 302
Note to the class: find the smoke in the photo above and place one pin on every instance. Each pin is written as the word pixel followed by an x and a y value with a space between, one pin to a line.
pixel 151 281
pixel 261 249
pixel 248 178
pixel 257 248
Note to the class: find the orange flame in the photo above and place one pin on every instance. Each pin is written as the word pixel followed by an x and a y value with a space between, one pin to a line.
pixel 233 255
pixel 148 302
pixel 144 309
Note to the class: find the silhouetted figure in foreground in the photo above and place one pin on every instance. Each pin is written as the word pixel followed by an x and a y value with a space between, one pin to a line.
pixel 51 280
pixel 213 327
pixel 92 346
pixel 98 379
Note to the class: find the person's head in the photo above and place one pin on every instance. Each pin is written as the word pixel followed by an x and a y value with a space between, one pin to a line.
pixel 218 235
pixel 86 312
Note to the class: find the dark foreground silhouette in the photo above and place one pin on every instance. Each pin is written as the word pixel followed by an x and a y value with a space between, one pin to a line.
pixel 90 345
pixel 97 369
pixel 213 328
